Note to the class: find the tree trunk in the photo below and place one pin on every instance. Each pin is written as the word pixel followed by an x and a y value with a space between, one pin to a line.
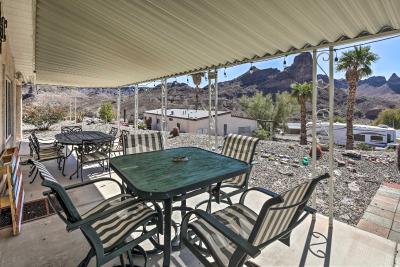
pixel 303 122
pixel 351 98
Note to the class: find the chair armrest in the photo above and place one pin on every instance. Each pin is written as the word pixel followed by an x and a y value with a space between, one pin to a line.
pixel 77 185
pixel 258 189
pixel 309 209
pixel 101 215
pixel 228 233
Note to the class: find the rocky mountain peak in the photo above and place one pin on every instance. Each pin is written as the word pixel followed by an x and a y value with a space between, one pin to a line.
pixel 394 83
pixel 374 81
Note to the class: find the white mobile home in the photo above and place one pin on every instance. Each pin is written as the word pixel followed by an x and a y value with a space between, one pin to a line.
pixel 380 136
pixel 196 121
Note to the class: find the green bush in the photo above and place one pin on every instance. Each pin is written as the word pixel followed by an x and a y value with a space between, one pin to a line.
pixel 43 116
pixel 142 125
pixel 364 146
pixel 106 112
pixel 261 134
pixel 390 117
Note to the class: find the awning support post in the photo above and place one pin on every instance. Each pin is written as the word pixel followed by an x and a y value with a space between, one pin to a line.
pixel 136 103
pixel 331 110
pixel 119 108
pixel 164 101
pixel 216 108
pixel 314 122
pixel 212 120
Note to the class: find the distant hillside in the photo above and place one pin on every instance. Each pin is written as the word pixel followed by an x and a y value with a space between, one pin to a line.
pixel 375 93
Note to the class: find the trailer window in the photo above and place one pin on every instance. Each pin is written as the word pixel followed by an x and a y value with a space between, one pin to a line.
pixel 376 138
pixel 389 138
pixel 359 137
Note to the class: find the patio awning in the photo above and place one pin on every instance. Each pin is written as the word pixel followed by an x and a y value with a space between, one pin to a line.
pixel 112 43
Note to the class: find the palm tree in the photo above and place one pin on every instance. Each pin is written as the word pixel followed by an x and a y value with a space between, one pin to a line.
pixel 357 64
pixel 302 92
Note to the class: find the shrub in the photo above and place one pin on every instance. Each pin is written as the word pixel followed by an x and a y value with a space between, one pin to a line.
pixel 261 134
pixel 364 146
pixel 43 116
pixel 142 125
pixel 106 112
pixel 390 117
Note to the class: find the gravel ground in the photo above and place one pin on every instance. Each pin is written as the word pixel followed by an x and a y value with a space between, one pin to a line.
pixel 279 168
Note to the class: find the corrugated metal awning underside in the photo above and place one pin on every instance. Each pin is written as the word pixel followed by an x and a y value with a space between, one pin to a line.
pixel 113 43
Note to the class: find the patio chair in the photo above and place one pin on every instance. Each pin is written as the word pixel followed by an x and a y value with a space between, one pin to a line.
pixel 43 143
pixel 71 128
pixel 113 131
pixel 239 147
pixel 44 154
pixel 142 142
pixel 232 234
pixel 118 146
pixel 93 151
pixel 108 226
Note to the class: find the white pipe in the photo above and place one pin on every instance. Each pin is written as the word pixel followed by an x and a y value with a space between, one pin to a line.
pixel 314 123
pixel 119 108
pixel 331 107
pixel 136 102
pixel 75 109
pixel 216 109
pixel 209 112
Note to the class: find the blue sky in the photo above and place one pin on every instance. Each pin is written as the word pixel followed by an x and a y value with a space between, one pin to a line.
pixel 388 63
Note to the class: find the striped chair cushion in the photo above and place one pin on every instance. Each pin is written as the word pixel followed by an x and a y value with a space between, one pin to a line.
pixel 140 143
pixel 49 154
pixel 242 148
pixel 116 228
pixel 238 218
pixel 277 221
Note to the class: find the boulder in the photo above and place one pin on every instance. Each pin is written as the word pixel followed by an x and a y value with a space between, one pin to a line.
pixel 340 163
pixel 352 154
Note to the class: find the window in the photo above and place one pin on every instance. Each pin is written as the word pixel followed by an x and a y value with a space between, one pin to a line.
pixel 8 107
pixel 244 130
pixel 376 138
pixel 359 137
pixel 389 138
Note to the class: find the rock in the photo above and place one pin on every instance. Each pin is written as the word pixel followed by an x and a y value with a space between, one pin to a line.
pixel 286 172
pixel 295 165
pixel 351 161
pixel 353 187
pixel 352 154
pixel 324 147
pixel 352 169
pixel 285 162
pixel 341 163
pixel 265 155
pixel 291 147
pixel 337 173
pixel 345 217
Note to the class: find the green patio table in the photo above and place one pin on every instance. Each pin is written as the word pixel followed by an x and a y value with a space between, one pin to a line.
pixel 156 176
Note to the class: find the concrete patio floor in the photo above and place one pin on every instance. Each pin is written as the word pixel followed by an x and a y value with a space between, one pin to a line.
pixel 45 242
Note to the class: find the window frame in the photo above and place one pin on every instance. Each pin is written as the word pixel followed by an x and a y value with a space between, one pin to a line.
pixel 8 112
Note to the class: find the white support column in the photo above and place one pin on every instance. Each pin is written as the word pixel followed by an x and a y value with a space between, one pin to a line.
pixel 136 100
pixel 216 109
pixel 75 108
pixel 164 97
pixel 210 119
pixel 314 122
pixel 70 109
pixel 119 108
pixel 331 109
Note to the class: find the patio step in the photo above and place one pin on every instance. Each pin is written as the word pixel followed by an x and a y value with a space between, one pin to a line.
pixel 382 217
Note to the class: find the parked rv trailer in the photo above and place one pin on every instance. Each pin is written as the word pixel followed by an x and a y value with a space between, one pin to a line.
pixel 379 136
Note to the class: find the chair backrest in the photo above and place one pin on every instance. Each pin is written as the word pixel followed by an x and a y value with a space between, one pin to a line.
pixel 96 145
pixel 71 129
pixel 62 197
pixel 275 220
pixel 113 131
pixel 121 137
pixel 142 142
pixel 242 148
pixel 33 146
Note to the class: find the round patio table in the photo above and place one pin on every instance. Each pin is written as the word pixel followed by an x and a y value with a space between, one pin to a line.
pixel 76 139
